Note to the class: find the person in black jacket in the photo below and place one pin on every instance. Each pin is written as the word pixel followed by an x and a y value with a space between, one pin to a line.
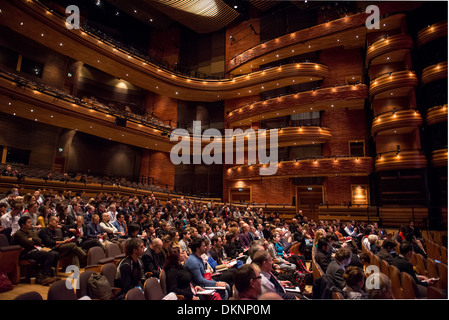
pixel 322 257
pixel 153 260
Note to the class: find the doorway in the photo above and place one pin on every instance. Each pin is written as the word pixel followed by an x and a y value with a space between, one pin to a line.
pixel 309 199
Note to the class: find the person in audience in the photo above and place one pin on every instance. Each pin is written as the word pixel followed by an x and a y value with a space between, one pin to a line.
pixel 178 278
pixel 195 265
pixel 32 250
pixel 336 268
pixel 388 251
pixel 31 211
pixel 402 261
pixel 10 220
pixel 130 270
pixel 322 257
pixel 247 282
pixel 81 238
pixel 269 283
pixel 278 255
pixel 153 260
pixel 185 241
pixel 107 227
pixel 55 240
pixel 354 278
pixel 112 212
pixel 120 225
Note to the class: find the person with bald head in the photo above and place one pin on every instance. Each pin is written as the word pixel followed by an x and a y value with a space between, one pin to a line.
pixel 153 259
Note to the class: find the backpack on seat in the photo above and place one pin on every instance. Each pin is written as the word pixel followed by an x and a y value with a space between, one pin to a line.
pixel 99 287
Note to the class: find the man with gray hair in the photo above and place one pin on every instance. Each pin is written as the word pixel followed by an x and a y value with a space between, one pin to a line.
pixel 153 260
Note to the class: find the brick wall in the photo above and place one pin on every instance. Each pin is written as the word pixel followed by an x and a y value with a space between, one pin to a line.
pixel 341 63
pixel 344 125
pixel 158 165
pixel 338 189
pixel 165 108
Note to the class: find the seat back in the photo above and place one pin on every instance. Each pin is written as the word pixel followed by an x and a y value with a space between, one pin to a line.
pixel 337 296
pixel 113 250
pixel 94 255
pixel 3 240
pixel 163 281
pixel 316 270
pixel 152 289
pixel 409 288
pixel 431 268
pixel 59 291
pixel 83 289
pixel 375 261
pixel 420 264
pixel 435 293
pixel 135 294
pixel 395 277
pixel 443 254
pixel 385 267
pixel 32 295
pixel 442 272
pixel 109 270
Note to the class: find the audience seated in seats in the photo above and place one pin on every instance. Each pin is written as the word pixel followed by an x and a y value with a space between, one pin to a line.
pixel 372 239
pixel 81 238
pixel 417 245
pixel 54 239
pixel 130 272
pixel 354 278
pixel 195 265
pixel 247 281
pixel 269 282
pixel 179 279
pixel 402 261
pixel 337 267
pixel 153 260
pixel 32 249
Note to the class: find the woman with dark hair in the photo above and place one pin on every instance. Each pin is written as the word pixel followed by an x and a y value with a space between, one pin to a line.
pixel 179 279
pixel 355 281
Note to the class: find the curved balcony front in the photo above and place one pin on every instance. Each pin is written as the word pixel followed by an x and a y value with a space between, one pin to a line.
pixel 439 158
pixel 388 44
pixel 433 32
pixel 332 98
pixel 398 119
pixel 391 81
pixel 436 115
pixel 434 73
pixel 316 167
pixel 406 159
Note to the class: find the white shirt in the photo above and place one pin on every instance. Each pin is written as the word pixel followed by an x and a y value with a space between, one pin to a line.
pixel 9 221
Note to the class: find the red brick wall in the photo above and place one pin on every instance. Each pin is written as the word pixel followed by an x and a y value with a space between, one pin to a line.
pixel 341 63
pixel 165 44
pixel 164 108
pixel 344 125
pixel 158 165
pixel 271 191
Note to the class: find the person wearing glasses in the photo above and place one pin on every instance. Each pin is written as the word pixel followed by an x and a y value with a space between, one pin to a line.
pixel 247 282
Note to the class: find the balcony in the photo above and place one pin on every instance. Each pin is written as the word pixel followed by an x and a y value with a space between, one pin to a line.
pixel 435 31
pixel 391 81
pixel 434 73
pixel 406 159
pixel 388 44
pixel 398 119
pixel 439 158
pixel 314 167
pixel 333 98
pixel 436 115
